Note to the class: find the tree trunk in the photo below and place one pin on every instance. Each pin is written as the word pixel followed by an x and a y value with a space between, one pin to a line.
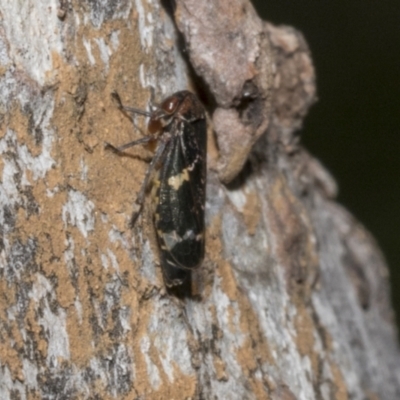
pixel 293 296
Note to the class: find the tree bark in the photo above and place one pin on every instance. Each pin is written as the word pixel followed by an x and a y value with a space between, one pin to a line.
pixel 293 293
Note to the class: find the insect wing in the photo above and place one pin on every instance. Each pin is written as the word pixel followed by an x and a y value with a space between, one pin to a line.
pixel 180 210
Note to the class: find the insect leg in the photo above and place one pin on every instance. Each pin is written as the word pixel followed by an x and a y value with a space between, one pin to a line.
pixel 130 110
pixel 149 174
pixel 120 149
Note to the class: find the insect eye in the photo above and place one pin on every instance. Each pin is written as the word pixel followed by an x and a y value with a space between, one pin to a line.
pixel 170 105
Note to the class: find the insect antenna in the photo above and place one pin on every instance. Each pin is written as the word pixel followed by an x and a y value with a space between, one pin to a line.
pixel 126 109
pixel 120 149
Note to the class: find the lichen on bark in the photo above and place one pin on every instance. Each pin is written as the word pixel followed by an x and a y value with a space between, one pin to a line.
pixel 294 293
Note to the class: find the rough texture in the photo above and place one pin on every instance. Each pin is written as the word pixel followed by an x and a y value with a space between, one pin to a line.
pixel 229 48
pixel 294 293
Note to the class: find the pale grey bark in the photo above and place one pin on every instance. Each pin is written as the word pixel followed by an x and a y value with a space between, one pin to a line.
pixel 294 300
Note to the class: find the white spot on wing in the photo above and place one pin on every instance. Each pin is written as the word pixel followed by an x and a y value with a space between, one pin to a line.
pixel 171 239
pixel 176 181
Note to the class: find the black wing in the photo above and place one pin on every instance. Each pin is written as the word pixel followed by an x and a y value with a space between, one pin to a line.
pixel 179 215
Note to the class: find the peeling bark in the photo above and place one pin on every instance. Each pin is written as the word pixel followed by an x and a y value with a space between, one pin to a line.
pixel 294 292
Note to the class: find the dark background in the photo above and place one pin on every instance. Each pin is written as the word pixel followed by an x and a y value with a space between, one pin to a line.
pixel 354 129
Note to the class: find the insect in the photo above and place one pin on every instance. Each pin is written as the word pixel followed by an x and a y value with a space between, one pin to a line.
pixel 178 172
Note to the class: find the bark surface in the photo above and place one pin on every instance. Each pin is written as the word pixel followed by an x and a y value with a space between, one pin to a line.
pixel 294 291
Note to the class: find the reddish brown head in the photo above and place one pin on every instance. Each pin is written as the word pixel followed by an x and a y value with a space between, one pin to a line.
pixel 176 105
